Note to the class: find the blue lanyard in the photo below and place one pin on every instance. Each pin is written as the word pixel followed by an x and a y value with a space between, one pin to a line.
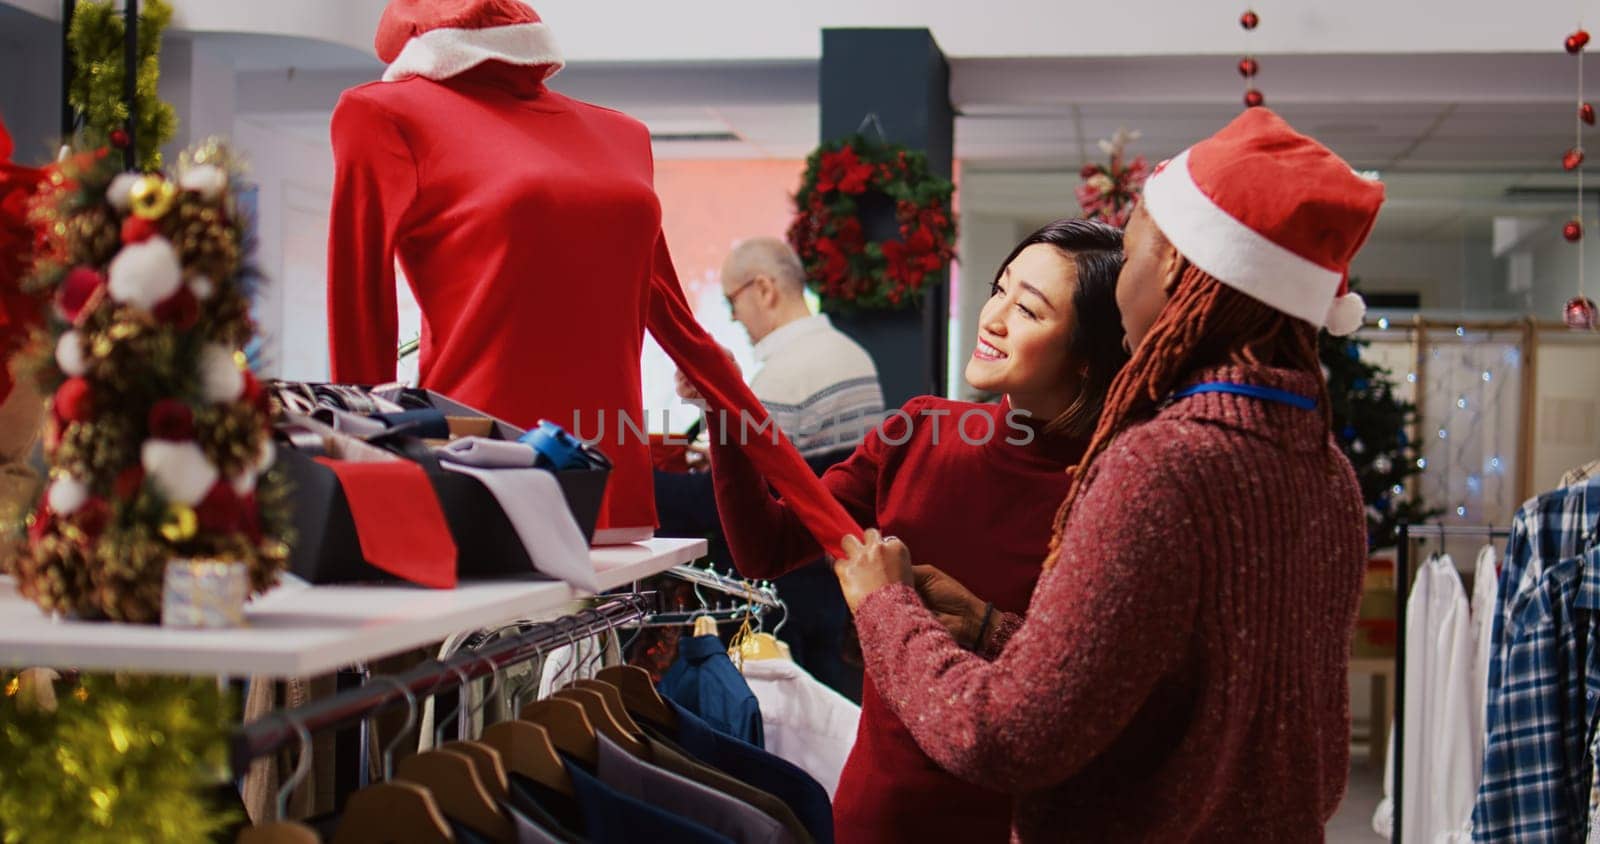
pixel 1254 391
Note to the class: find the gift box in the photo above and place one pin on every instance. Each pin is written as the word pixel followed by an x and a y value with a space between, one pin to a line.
pixel 327 548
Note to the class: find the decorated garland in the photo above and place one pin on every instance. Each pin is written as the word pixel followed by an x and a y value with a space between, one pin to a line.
pixel 111 759
pixel 847 269
pixel 96 38
pixel 158 438
pixel 1109 191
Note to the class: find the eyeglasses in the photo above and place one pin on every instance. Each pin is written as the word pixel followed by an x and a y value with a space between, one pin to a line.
pixel 733 297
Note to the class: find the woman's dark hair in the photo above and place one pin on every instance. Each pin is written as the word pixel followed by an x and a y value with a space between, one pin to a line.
pixel 1096 251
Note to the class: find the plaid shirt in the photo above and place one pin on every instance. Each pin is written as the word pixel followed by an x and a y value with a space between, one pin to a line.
pixel 1543 678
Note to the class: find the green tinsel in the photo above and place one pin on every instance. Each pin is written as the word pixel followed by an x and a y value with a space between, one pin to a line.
pixel 96 39
pixel 111 758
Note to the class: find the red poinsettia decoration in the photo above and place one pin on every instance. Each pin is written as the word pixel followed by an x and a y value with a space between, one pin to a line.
pixel 846 268
pixel 1109 191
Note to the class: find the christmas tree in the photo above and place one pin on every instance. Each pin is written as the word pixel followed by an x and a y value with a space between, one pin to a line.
pixel 1370 425
pixel 96 41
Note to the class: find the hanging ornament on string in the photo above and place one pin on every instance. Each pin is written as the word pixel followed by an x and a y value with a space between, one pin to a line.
pixel 1248 66
pixel 1580 313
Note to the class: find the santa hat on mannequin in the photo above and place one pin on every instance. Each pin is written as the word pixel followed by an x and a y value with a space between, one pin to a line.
pixel 438 39
pixel 1271 213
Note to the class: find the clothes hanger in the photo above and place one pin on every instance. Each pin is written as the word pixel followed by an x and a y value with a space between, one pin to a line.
pixel 394 811
pixel 639 694
pixel 600 716
pixel 525 749
pixel 758 645
pixel 567 726
pixel 453 779
pixel 612 698
pixel 491 770
pixel 281 831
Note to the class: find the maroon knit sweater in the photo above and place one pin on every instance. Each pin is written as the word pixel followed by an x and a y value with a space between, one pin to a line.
pixel 1180 674
pixel 980 508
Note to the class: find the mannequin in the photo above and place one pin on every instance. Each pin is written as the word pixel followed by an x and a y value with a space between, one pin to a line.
pixel 528 227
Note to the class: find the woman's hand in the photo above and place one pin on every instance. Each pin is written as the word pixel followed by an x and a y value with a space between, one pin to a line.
pixel 960 611
pixel 871 564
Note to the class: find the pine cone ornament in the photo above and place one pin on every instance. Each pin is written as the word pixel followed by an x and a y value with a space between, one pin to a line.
pixel 55 575
pixel 93 236
pixel 128 578
pixel 203 237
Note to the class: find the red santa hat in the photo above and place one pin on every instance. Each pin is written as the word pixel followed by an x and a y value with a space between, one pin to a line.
pixel 1271 213
pixel 438 39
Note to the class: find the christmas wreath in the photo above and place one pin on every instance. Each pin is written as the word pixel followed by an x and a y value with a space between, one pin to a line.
pixel 1109 191
pixel 872 225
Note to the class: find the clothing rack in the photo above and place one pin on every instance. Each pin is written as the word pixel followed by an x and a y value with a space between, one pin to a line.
pixel 762 593
pixel 1402 592
pixel 353 707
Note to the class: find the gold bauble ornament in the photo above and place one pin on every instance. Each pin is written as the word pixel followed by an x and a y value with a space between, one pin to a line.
pixel 180 523
pixel 152 197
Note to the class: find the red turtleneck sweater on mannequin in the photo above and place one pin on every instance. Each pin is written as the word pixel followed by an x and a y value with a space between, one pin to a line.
pixel 528 227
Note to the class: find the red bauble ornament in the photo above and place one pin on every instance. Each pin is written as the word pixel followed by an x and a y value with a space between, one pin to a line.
pixel 1586 113
pixel 137 229
pixel 1249 20
pixel 1088 171
pixel 93 517
pixel 1572 231
pixel 1580 313
pixel 255 395
pixel 1249 67
pixel 220 511
pixel 1577 41
pixel 74 401
pixel 129 481
pixel 171 419
pixel 181 310
pixel 1253 98
pixel 1573 159
pixel 120 139
pixel 77 291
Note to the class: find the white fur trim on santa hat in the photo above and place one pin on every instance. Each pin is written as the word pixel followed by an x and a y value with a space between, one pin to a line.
pixel 444 52
pixel 208 180
pixel 179 470
pixel 220 378
pixel 267 456
pixel 66 495
pixel 244 483
pixel 145 274
pixel 69 354
pixel 1346 314
pixel 1233 253
pixel 120 192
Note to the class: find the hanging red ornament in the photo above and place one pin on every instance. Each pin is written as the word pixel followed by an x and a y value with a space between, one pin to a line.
pixel 1577 41
pixel 1253 98
pixel 1573 159
pixel 74 401
pixel 1580 313
pixel 120 139
pixel 1248 67
pixel 1572 231
pixel 1586 113
pixel 1250 20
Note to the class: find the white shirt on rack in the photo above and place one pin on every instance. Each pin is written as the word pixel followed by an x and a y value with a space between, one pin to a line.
pixel 1485 591
pixel 805 722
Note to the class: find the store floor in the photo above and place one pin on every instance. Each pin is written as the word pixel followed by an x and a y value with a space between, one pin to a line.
pixel 1352 824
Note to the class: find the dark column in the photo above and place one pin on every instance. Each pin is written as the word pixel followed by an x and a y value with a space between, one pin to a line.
pixel 901 76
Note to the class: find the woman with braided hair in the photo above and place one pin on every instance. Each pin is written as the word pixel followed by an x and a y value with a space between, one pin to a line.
pixel 1181 671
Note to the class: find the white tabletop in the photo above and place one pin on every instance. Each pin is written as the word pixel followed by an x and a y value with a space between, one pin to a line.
pixel 298 630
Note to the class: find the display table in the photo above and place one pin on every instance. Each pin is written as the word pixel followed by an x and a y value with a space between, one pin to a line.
pixel 299 630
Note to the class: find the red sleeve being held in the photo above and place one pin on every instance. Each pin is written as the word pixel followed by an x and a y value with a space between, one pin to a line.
pixel 374 182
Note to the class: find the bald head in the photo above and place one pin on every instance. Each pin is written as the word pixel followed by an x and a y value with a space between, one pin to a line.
pixel 765 285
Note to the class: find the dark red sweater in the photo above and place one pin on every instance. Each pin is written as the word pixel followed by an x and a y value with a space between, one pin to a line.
pixel 982 513
pixel 1181 674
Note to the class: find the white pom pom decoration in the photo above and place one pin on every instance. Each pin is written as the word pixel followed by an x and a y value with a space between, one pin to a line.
pixel 120 193
pixel 207 180
pixel 269 453
pixel 244 483
pixel 1346 314
pixel 69 354
pixel 220 378
pixel 145 274
pixel 66 495
pixel 202 287
pixel 180 471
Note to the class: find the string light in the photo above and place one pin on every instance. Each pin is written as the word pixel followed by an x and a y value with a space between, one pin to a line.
pixel 1383 323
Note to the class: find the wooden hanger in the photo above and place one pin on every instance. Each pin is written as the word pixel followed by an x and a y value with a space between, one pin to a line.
pixel 526 750
pixel 393 813
pixel 614 703
pixel 281 831
pixel 639 694
pixel 454 782
pixel 705 625
pixel 758 646
pixel 602 720
pixel 491 768
pixel 567 726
